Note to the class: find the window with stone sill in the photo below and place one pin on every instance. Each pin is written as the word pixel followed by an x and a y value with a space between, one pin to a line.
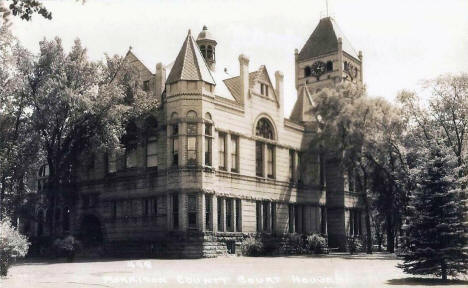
pixel 191 144
pixel 131 155
pixel 175 145
pixel 234 153
pixel 152 152
pixel 264 89
pixel 222 151
pixel 208 213
pixel 270 161
pixel 192 211
pixel 292 156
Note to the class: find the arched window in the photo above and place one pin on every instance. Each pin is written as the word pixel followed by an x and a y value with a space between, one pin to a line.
pixel 174 115
pixel 209 54
pixel 264 129
pixel 329 66
pixel 208 116
pixel 307 71
pixel 130 141
pixel 191 114
pixel 203 50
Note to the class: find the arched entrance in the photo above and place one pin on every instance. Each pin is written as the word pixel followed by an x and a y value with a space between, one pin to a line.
pixel 90 230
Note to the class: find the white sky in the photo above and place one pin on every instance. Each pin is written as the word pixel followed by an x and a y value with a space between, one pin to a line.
pixel 403 42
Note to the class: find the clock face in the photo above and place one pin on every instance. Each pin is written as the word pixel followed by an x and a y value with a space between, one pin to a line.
pixel 318 68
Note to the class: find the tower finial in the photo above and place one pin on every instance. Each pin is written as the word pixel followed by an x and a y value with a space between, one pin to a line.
pixel 189 32
pixel 327 7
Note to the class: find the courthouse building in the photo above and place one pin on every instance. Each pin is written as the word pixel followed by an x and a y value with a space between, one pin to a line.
pixel 219 160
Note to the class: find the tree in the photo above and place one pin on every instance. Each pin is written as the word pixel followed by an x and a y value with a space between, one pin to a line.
pixel 77 106
pixel 12 245
pixel 434 223
pixel 342 117
pixel 18 142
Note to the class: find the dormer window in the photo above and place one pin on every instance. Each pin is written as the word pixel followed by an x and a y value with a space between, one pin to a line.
pixel 264 89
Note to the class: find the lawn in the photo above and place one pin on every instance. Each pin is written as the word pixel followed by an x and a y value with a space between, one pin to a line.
pixel 340 270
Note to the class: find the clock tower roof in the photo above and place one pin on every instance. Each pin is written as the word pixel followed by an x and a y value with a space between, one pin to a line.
pixel 324 40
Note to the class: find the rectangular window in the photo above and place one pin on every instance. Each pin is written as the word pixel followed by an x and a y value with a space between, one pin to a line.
pixel 146 87
pixel 323 220
pixel 273 217
pixel 111 162
pixel 291 218
pixel 131 155
pixel 229 214
pixel 258 206
pixel 208 208
pixel 208 151
pixel 114 210
pixel 234 153
pixel 296 219
pixel 145 207
pixel 220 214
pixel 271 161
pixel 155 206
pixel 175 211
pixel 299 167
pixel 175 151
pixel 192 150
pixel 262 88
pixel 238 215
pixel 265 217
pixel 222 151
pixel 152 152
pixel 192 211
pixel 259 158
pixel 292 155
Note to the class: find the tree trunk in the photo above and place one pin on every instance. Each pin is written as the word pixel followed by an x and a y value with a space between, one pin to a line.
pixel 443 266
pixel 390 235
pixel 367 216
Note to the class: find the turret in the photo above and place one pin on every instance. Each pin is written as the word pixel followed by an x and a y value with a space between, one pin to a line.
pixel 207 44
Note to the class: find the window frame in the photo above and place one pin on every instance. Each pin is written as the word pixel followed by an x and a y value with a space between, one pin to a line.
pixel 235 153
pixel 222 153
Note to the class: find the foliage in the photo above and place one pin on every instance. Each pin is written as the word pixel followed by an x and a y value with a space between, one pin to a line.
pixel 252 246
pixel 434 229
pixel 12 244
pixel 355 244
pixel 18 142
pixel 316 243
pixel 66 247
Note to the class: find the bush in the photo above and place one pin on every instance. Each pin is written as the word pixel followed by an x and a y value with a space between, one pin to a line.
pixel 252 246
pixel 297 243
pixel 12 245
pixel 67 247
pixel 354 244
pixel 316 243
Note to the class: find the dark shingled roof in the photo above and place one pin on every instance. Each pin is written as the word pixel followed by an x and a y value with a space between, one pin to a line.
pixel 324 40
pixel 233 84
pixel 190 64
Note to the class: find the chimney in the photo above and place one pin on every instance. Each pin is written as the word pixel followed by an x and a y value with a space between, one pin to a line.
pixel 160 81
pixel 244 77
pixel 280 91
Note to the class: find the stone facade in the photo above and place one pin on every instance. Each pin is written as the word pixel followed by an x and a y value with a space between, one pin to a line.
pixel 218 161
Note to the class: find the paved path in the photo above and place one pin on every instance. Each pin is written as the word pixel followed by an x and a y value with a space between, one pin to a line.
pixel 343 270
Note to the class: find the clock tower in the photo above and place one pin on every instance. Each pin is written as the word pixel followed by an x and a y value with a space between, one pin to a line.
pixel 327 58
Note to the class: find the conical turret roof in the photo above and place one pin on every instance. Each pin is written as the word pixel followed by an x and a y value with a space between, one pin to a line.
pixel 190 64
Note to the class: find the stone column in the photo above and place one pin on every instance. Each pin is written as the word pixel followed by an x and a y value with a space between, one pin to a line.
pixel 201 223
pixel 183 219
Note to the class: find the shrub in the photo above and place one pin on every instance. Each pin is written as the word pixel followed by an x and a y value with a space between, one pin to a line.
pixel 252 246
pixel 297 243
pixel 12 245
pixel 67 247
pixel 354 244
pixel 316 243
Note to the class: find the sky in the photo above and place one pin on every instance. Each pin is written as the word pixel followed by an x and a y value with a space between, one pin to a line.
pixel 403 42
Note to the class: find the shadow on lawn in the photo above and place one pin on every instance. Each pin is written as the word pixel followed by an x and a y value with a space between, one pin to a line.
pixel 426 281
